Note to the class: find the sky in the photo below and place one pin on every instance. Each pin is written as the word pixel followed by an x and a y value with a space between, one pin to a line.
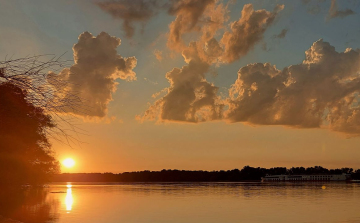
pixel 200 84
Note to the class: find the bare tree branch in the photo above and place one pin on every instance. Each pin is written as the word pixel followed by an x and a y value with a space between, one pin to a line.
pixel 31 74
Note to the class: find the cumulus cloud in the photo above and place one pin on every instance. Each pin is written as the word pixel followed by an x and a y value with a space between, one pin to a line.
pixel 322 90
pixel 247 31
pixel 335 12
pixel 130 11
pixel 92 77
pixel 204 17
pixel 209 48
pixel 189 16
pixel 190 97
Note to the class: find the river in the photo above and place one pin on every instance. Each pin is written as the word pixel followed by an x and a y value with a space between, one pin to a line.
pixel 190 202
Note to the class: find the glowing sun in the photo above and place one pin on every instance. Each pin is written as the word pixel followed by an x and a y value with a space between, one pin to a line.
pixel 69 162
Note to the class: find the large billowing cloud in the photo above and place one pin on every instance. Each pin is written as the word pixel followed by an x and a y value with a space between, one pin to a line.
pixel 321 91
pixel 190 98
pixel 335 12
pixel 131 11
pixel 199 16
pixel 92 77
pixel 247 31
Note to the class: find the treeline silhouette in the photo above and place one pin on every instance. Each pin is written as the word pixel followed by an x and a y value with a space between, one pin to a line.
pixel 247 173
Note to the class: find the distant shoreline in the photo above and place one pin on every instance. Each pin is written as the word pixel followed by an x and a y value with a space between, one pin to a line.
pixel 246 174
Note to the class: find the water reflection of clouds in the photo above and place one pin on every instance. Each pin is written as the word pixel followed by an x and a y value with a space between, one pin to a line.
pixel 69 199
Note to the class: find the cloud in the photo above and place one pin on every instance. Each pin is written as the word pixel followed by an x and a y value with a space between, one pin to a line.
pixel 246 32
pixel 204 17
pixel 158 55
pixel 131 11
pixel 190 98
pixel 92 77
pixel 207 18
pixel 189 15
pixel 209 48
pixel 335 12
pixel 321 91
pixel 282 34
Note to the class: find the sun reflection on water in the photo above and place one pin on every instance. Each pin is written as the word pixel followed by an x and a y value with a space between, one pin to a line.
pixel 69 199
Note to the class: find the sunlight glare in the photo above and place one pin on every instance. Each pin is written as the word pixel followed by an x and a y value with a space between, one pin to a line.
pixel 68 162
pixel 69 199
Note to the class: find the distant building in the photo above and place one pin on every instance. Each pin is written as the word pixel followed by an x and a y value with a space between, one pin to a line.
pixel 315 177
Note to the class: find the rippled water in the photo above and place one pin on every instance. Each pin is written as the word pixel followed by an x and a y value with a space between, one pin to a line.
pixel 200 202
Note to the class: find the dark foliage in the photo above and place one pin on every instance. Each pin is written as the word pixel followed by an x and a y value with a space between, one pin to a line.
pixel 31 74
pixel 25 153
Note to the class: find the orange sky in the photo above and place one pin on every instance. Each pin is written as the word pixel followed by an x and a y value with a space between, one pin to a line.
pixel 206 146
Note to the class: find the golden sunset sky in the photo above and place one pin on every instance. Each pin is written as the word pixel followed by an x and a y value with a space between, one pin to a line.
pixel 199 84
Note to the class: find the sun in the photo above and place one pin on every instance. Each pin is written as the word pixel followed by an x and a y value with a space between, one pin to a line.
pixel 69 162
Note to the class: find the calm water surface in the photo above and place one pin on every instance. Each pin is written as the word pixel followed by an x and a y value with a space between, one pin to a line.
pixel 199 202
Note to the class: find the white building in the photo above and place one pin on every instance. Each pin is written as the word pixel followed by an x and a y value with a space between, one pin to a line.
pixel 315 177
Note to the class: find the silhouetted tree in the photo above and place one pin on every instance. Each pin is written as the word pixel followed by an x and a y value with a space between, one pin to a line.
pixel 30 105
pixel 31 74
pixel 25 152
pixel 356 175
